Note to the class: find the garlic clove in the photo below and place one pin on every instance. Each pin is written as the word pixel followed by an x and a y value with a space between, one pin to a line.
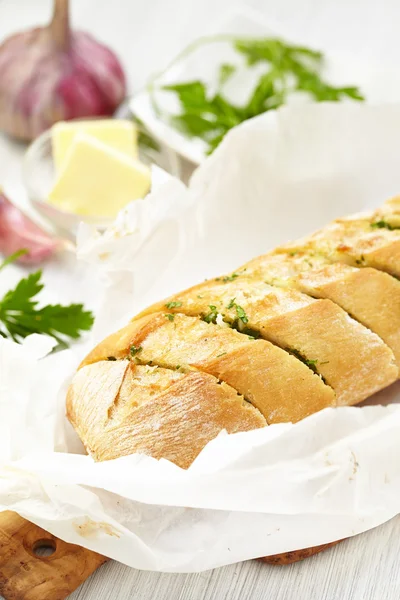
pixel 18 232
pixel 51 73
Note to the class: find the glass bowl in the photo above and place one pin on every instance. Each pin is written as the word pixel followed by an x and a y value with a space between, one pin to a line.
pixel 38 174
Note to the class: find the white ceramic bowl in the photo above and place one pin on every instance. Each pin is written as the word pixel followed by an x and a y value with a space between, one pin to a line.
pixel 39 175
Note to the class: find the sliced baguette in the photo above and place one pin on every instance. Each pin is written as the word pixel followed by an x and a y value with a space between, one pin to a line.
pixel 120 408
pixel 278 384
pixel 352 360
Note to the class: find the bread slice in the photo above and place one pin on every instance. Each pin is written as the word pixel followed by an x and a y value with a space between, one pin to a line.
pixel 120 408
pixel 274 381
pixel 352 360
pixel 368 295
pixel 365 240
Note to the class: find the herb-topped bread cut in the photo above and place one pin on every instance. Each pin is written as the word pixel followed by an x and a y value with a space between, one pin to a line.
pixel 350 358
pixel 282 387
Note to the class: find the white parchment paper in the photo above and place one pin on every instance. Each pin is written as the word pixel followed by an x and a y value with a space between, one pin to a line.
pixel 333 475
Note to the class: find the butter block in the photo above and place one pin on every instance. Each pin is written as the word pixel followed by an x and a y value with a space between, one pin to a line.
pixel 97 180
pixel 116 133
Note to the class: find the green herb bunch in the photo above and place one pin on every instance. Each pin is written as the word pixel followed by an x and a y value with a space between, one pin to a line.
pixel 290 69
pixel 20 315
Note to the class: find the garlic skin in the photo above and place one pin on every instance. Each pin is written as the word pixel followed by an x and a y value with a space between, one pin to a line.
pixel 49 74
pixel 18 232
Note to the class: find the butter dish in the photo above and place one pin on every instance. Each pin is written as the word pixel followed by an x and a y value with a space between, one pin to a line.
pixel 40 175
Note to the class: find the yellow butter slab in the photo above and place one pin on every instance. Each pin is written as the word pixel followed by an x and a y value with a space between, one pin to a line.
pixel 116 133
pixel 97 180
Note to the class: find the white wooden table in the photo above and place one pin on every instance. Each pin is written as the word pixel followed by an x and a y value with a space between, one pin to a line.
pixel 147 35
pixel 363 568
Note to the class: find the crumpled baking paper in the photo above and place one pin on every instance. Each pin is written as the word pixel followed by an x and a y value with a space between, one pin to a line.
pixel 284 487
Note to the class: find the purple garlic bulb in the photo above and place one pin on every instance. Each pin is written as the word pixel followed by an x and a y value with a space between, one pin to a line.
pixel 52 73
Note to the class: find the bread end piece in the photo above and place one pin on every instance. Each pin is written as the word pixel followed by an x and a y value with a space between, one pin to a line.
pixel 180 415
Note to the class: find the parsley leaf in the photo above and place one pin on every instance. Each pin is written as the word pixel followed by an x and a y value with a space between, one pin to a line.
pixel 276 52
pixel 225 73
pixel 191 94
pixel 241 314
pixel 382 225
pixel 173 304
pixel 211 317
pixel 310 362
pixel 133 350
pixel 169 316
pixel 360 261
pixel 230 277
pixel 20 315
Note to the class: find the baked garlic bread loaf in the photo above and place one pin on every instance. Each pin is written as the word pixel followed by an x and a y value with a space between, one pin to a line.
pixel 310 325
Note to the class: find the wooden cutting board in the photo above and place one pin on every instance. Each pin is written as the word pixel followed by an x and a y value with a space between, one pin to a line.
pixel 25 574
pixel 35 565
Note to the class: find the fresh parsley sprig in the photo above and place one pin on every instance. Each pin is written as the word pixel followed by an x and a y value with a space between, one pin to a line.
pixel 20 315
pixel 291 69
